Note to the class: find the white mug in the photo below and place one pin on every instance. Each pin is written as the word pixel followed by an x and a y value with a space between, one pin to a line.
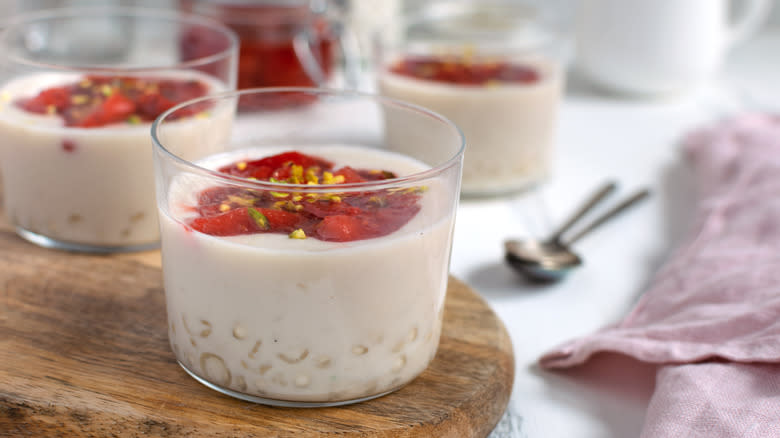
pixel 651 47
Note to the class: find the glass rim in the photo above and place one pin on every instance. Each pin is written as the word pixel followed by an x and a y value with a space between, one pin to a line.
pixel 433 171
pixel 16 23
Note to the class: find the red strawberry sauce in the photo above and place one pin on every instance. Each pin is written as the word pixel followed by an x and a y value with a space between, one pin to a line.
pixel 335 216
pixel 97 101
pixel 464 71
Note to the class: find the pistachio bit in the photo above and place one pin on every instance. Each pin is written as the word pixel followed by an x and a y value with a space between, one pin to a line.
pixel 241 200
pixel 378 201
pixel 298 234
pixel 296 174
pixel 106 90
pixel 297 198
pixel 279 194
pixel 311 177
pixel 134 119
pixel 259 219
pixel 241 165
pixel 202 115
pixel 224 207
pixel 294 359
pixel 51 109
pixel 492 83
pixel 79 99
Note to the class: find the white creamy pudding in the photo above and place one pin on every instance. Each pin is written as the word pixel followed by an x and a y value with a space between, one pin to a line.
pixel 507 111
pixel 307 320
pixel 88 186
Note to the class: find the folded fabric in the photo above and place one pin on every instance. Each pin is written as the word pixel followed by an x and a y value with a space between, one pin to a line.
pixel 712 314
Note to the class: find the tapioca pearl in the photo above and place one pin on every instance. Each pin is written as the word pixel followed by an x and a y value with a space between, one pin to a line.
pixel 239 332
pixel 240 383
pixel 302 381
pixel 399 363
pixel 359 350
pixel 279 379
pixel 188 360
pixel 137 217
pixel 322 362
pixel 244 365
pixel 293 357
pixel 194 344
pixel 185 325
pixel 215 369
pixel 264 368
pixel 398 346
pixel 206 330
pixel 255 349
pixel 74 218
pixel 412 336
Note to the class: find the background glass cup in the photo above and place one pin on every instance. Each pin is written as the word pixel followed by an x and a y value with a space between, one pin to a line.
pixel 283 42
pixel 278 320
pixel 495 70
pixel 75 160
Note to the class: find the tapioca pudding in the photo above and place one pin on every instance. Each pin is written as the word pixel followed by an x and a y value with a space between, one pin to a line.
pixel 320 296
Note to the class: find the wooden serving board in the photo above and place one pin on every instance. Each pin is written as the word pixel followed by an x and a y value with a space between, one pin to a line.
pixel 84 352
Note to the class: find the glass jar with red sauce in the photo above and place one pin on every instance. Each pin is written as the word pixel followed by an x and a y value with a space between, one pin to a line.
pixel 283 42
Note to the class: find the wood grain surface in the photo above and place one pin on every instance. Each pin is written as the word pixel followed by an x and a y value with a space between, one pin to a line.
pixel 84 352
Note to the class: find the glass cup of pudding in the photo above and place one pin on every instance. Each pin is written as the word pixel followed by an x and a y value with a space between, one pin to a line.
pixel 493 69
pixel 306 253
pixel 79 89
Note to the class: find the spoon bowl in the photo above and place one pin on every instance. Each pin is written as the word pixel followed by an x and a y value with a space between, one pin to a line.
pixel 541 261
pixel 550 260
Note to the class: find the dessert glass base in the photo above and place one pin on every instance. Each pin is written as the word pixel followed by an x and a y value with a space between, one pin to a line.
pixel 48 242
pixel 281 403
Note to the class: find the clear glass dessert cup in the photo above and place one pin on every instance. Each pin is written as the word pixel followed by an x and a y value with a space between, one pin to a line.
pixel 305 252
pixel 79 89
pixel 495 69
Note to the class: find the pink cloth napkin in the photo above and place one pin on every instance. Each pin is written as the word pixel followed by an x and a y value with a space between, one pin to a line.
pixel 711 317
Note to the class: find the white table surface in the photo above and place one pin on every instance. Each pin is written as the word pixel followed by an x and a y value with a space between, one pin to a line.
pixel 635 142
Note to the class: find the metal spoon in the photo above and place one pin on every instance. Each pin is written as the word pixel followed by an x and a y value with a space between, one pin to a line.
pixel 551 259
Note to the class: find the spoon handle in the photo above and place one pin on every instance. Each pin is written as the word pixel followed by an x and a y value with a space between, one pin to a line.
pixel 594 199
pixel 609 214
